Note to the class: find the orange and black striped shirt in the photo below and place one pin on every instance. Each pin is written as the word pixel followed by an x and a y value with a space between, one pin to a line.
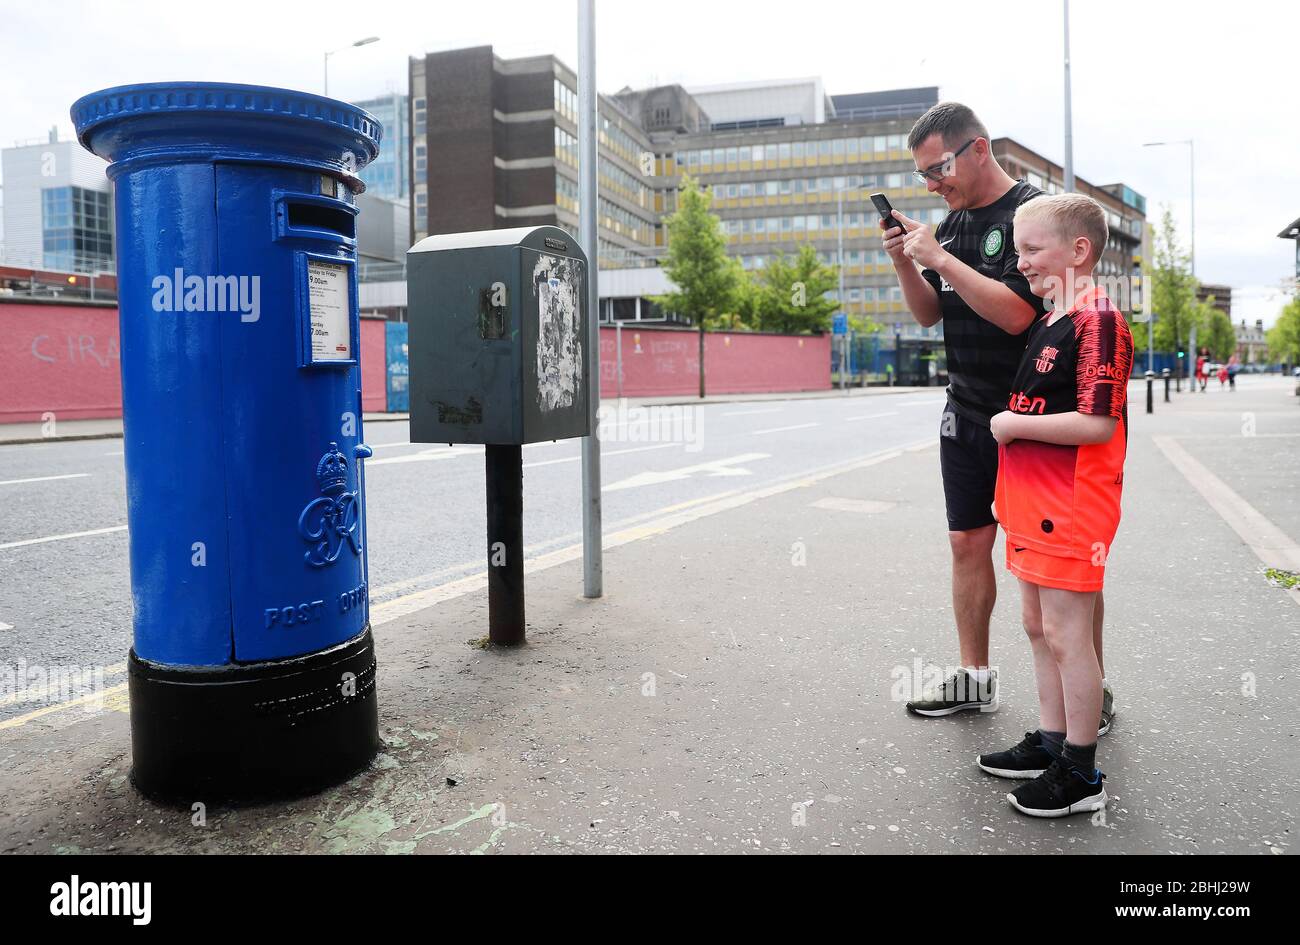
pixel 1065 500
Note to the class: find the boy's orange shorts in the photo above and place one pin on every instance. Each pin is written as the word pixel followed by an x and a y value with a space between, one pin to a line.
pixel 1066 574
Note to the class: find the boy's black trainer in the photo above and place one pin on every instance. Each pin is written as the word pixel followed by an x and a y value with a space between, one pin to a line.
pixel 1060 791
pixel 1028 759
pixel 959 692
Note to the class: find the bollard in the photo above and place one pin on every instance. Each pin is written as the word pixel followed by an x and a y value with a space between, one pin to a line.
pixel 1165 374
pixel 1151 396
pixel 252 673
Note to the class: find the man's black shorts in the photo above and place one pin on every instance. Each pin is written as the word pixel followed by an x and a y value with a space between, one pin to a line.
pixel 968 459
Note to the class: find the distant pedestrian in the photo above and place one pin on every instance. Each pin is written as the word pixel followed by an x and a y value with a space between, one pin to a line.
pixel 1234 367
pixel 1223 375
pixel 1202 360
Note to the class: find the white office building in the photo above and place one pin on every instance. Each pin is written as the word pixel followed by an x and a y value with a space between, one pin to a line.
pixel 58 208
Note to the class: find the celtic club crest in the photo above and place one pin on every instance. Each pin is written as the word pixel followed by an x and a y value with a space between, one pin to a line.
pixel 991 245
pixel 330 522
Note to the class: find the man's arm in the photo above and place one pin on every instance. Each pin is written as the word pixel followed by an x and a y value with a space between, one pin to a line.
pixel 990 299
pixel 922 298
pixel 1066 429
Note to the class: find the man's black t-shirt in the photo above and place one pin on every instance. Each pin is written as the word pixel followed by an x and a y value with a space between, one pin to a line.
pixel 982 358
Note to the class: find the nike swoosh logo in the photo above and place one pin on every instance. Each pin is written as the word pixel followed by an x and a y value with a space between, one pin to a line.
pixel 947 241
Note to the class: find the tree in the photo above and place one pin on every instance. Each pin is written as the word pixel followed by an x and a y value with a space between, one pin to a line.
pixel 1284 336
pixel 711 286
pixel 1172 293
pixel 1215 331
pixel 791 293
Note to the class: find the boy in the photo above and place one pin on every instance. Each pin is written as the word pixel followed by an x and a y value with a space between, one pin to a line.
pixel 1060 472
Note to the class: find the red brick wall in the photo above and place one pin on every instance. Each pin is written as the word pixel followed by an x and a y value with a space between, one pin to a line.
pixel 63 359
pixel 58 359
pixel 661 362
pixel 374 369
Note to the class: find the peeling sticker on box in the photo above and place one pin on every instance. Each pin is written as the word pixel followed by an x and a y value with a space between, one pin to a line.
pixel 557 284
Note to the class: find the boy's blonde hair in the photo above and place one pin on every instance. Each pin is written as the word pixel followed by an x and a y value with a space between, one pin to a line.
pixel 1071 216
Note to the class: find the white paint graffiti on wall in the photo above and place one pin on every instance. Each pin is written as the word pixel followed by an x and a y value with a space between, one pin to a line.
pixel 556 281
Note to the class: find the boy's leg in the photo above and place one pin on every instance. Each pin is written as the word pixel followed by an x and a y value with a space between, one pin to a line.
pixel 1071 784
pixel 1097 615
pixel 1068 630
pixel 1036 752
pixel 1051 702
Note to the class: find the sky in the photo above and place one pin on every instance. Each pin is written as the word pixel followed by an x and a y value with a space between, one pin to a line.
pixel 1221 74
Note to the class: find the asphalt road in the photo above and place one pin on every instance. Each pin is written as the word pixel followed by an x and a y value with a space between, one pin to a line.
pixel 64 582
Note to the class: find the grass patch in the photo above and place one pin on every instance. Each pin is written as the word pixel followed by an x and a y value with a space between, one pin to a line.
pixel 481 643
pixel 1279 578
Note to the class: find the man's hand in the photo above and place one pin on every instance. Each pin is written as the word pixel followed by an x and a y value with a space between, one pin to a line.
pixel 1000 425
pixel 919 244
pixel 893 235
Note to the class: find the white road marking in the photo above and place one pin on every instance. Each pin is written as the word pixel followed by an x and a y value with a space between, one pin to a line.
pixel 751 413
pixel 603 454
pixel 1271 545
pixel 797 426
pixel 14 482
pixel 426 455
pixel 6 626
pixel 872 416
pixel 717 467
pixel 41 541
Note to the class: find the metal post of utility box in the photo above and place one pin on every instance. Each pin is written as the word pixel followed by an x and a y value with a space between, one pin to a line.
pixel 499 322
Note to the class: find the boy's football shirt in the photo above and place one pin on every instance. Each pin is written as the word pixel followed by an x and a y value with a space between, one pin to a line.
pixel 1064 500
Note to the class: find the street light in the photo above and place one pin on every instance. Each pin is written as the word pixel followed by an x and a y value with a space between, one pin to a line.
pixel 361 42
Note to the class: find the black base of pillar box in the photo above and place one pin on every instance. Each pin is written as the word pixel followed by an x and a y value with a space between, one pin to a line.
pixel 253 732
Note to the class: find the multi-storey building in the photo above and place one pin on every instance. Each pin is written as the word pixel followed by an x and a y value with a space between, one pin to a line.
pixel 494 143
pixel 803 173
pixel 1221 294
pixel 388 176
pixel 58 208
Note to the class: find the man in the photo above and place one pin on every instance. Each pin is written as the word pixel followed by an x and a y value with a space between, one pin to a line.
pixel 965 274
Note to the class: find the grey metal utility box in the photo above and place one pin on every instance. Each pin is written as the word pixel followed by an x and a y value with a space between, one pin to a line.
pixel 498 337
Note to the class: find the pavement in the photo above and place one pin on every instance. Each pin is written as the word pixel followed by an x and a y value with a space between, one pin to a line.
pixel 739 686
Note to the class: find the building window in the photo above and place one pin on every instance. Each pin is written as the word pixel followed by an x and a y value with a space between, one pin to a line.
pixel 77 229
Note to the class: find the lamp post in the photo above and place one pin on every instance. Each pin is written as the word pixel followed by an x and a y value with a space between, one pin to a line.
pixel 839 259
pixel 361 42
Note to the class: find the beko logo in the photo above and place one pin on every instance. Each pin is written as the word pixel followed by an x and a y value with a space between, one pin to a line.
pixel 98 899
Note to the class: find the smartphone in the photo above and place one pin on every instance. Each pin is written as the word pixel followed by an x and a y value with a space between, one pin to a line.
pixel 886 212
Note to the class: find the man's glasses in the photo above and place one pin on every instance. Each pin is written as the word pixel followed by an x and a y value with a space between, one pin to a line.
pixel 937 172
